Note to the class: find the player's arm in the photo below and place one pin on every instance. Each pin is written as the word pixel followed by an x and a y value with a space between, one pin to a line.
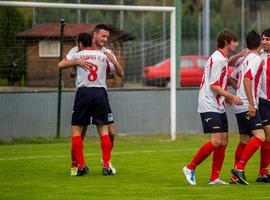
pixel 248 91
pixel 214 78
pixel 118 68
pixel 233 79
pixel 234 58
pixel 220 91
pixel 64 63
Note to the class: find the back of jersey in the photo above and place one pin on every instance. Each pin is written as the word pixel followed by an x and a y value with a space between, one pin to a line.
pixel 249 67
pixel 96 75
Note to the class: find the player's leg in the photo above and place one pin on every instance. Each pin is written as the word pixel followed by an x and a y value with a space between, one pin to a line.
pixel 84 130
pixel 112 132
pixel 264 109
pixel 106 147
pixel 79 167
pixel 265 157
pixel 243 140
pixel 220 141
pixel 255 126
pixel 80 119
pixel 212 123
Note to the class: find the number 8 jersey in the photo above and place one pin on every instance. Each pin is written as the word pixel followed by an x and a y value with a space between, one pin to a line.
pixel 98 67
pixel 215 73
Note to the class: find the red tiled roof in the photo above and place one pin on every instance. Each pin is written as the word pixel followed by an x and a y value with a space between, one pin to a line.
pixel 52 30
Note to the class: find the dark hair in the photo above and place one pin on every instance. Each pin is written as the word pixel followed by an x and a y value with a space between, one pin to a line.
pixel 105 27
pixel 266 32
pixel 253 40
pixel 85 39
pixel 226 36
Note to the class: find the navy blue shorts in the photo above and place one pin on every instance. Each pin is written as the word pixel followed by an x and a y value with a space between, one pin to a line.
pixel 213 122
pixel 264 110
pixel 246 124
pixel 91 103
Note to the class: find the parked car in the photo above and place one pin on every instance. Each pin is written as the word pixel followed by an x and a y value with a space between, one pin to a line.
pixel 191 71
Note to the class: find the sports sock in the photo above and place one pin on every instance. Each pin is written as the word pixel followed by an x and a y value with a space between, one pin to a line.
pixel 202 154
pixel 74 161
pixel 77 148
pixel 265 158
pixel 218 158
pixel 251 147
pixel 238 152
pixel 106 146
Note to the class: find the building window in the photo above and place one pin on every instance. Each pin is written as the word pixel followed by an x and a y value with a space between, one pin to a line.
pixel 49 48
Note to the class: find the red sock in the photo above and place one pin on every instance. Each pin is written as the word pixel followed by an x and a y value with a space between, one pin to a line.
pixel 74 161
pixel 238 152
pixel 251 147
pixel 106 146
pixel 202 154
pixel 265 158
pixel 218 158
pixel 77 148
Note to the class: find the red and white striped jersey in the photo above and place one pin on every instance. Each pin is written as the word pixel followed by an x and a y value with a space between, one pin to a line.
pixel 98 65
pixel 251 67
pixel 215 73
pixel 265 84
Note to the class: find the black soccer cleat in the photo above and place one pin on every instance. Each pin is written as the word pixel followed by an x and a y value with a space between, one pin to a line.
pixel 107 171
pixel 263 179
pixel 240 175
pixel 83 171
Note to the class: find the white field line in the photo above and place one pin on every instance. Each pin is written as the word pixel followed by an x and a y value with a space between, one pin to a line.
pixel 93 154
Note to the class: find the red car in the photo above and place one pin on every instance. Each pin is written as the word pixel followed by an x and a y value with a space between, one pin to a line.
pixel 191 71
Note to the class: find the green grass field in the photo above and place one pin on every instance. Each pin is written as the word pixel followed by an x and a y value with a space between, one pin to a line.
pixel 149 167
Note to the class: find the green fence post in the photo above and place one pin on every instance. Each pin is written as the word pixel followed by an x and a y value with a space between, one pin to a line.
pixel 62 21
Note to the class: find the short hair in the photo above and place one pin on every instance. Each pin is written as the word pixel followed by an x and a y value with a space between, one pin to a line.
pixel 99 27
pixel 266 32
pixel 226 36
pixel 253 40
pixel 85 39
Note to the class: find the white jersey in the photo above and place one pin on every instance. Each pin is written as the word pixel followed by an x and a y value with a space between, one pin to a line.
pixel 215 73
pixel 98 64
pixel 250 67
pixel 110 69
pixel 265 84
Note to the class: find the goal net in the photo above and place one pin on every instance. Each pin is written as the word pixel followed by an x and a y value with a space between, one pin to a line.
pixel 144 38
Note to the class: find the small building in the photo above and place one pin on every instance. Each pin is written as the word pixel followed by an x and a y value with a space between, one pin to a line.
pixel 43 52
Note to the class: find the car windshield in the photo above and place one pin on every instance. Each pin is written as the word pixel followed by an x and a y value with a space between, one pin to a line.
pixel 201 62
pixel 186 63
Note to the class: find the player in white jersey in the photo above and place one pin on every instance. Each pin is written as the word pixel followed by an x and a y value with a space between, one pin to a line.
pixel 211 106
pixel 264 107
pixel 91 96
pixel 110 72
pixel 248 76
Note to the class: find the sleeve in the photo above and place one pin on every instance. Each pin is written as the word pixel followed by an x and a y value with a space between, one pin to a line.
pixel 70 54
pixel 215 72
pixel 234 74
pixel 110 68
pixel 253 67
pixel 239 61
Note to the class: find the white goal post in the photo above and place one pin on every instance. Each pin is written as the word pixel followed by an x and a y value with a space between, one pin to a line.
pixel 170 10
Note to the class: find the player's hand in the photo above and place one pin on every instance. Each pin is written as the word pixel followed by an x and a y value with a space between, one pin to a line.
pixel 110 57
pixel 251 111
pixel 235 100
pixel 83 64
pixel 244 52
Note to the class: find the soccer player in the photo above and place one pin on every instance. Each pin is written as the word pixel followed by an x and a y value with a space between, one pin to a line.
pixel 264 107
pixel 248 118
pixel 111 126
pixel 91 96
pixel 211 106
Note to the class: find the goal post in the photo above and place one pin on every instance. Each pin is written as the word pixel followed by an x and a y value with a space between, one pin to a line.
pixel 173 54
